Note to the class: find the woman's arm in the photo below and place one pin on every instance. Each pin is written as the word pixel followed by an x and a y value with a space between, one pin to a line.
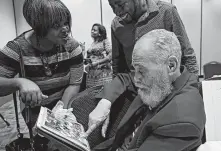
pixel 8 86
pixel 9 67
pixel 69 92
pixel 76 72
pixel 29 91
pixel 106 59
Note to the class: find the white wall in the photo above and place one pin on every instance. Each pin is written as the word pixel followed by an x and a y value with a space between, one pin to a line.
pixel 20 20
pixel 7 23
pixel 84 14
pixel 7 30
pixel 108 16
pixel 211 50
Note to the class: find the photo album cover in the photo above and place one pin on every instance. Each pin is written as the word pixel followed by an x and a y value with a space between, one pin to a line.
pixel 65 132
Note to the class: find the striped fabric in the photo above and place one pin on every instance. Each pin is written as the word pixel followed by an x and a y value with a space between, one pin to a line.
pixel 69 71
pixel 160 15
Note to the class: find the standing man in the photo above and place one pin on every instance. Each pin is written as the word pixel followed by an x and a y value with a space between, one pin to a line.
pixel 134 18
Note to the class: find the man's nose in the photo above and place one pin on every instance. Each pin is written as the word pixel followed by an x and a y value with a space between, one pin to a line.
pixel 137 76
pixel 65 28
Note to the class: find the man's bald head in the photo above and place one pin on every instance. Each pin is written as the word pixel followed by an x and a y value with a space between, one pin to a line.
pixel 157 46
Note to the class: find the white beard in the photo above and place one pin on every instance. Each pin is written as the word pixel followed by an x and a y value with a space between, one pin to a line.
pixel 152 97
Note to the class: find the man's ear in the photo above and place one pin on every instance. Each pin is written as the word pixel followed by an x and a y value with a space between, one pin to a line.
pixel 172 64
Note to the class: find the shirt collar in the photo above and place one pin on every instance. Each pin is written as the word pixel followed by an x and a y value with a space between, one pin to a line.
pixel 182 79
pixel 152 7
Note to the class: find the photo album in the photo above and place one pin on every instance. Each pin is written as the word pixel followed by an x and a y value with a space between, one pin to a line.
pixel 63 130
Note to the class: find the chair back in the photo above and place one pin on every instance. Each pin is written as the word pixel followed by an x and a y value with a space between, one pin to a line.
pixel 212 68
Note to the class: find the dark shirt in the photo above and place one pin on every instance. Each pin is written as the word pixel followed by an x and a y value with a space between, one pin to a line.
pixel 160 15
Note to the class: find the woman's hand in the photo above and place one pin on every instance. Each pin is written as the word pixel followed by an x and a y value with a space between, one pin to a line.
pixel 30 92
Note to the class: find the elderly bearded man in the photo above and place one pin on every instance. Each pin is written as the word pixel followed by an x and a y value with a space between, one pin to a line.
pixel 168 113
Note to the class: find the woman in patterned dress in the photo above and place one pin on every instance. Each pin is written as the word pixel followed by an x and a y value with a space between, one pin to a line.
pixel 99 70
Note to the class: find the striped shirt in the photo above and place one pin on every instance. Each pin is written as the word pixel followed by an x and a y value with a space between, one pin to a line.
pixel 160 15
pixel 69 59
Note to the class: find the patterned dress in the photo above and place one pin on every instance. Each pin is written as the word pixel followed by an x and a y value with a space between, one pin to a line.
pixel 102 73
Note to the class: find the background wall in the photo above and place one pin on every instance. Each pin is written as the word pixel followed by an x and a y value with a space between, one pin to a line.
pixel 211 31
pixel 7 23
pixel 7 29
pixel 21 24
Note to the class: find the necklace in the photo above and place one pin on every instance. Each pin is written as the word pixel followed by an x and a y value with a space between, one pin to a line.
pixel 49 69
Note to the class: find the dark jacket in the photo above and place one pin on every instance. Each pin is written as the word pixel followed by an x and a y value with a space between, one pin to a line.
pixel 177 124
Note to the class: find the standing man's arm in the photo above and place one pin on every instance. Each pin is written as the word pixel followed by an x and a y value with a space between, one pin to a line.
pixel 115 53
pixel 188 54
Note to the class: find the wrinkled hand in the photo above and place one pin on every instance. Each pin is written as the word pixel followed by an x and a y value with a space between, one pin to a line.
pixel 98 116
pixel 30 92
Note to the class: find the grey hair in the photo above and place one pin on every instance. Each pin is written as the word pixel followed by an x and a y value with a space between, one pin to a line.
pixel 165 44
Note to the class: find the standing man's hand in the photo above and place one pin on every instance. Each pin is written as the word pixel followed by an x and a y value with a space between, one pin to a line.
pixel 100 115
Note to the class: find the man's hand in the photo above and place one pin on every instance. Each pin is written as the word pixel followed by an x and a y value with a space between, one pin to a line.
pixel 30 92
pixel 98 116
